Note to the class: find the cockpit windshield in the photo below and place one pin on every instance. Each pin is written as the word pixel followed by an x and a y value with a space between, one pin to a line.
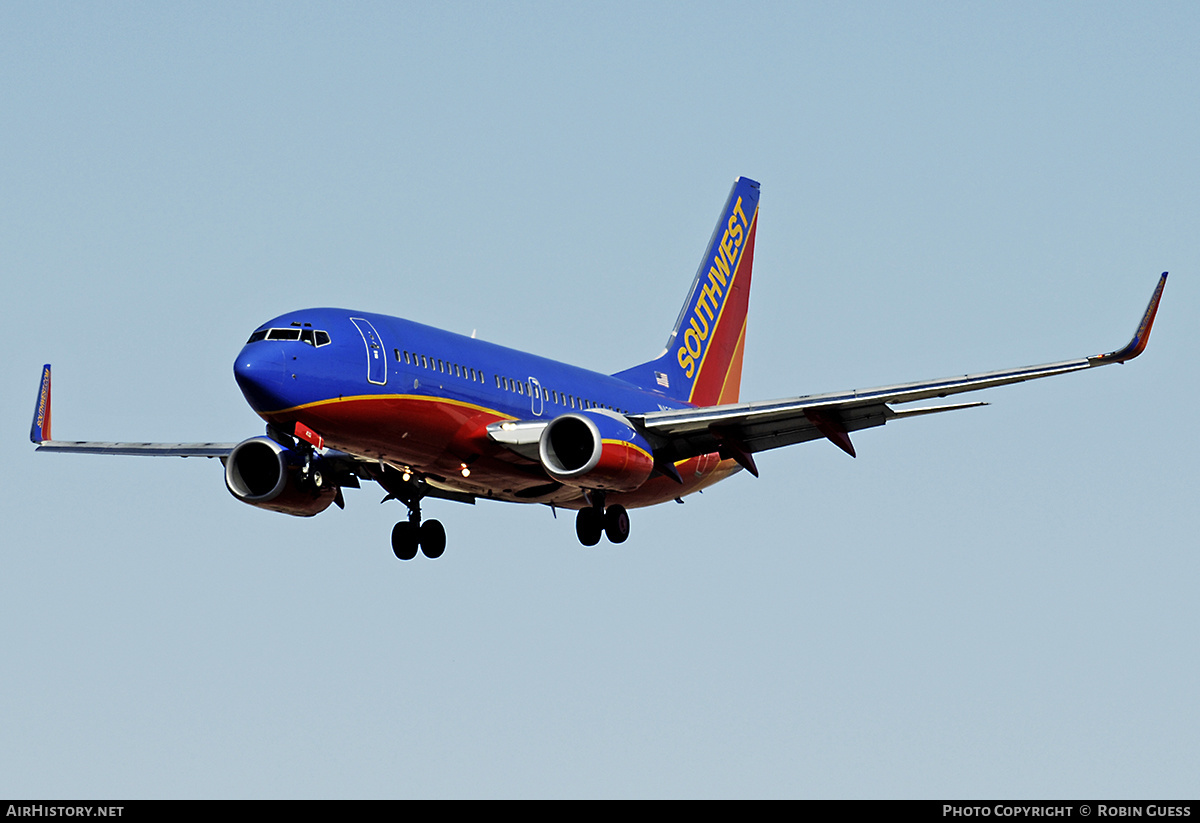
pixel 306 334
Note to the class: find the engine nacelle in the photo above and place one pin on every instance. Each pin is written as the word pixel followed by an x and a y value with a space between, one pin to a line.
pixel 263 473
pixel 595 450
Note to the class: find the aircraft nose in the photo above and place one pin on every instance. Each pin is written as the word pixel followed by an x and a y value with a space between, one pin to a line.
pixel 260 372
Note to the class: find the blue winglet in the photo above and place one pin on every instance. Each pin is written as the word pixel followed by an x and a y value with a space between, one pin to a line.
pixel 1140 337
pixel 40 431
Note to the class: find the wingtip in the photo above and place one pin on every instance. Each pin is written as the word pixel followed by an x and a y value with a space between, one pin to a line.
pixel 1140 337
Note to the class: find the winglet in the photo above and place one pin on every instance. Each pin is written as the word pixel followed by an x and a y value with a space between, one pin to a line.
pixel 1140 337
pixel 40 431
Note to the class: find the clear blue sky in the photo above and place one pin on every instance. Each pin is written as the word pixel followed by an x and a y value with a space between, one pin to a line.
pixel 997 602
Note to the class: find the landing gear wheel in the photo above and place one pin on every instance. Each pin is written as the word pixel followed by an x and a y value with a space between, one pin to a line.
pixel 433 538
pixel 616 524
pixel 589 524
pixel 405 540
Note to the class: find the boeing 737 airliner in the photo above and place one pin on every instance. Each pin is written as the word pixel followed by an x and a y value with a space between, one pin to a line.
pixel 350 396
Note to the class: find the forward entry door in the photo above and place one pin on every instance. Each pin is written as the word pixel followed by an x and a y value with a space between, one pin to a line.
pixel 376 359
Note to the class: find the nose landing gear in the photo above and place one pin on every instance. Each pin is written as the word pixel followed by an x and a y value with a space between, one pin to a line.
pixel 411 535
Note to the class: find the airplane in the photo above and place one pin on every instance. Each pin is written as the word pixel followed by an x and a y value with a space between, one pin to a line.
pixel 350 396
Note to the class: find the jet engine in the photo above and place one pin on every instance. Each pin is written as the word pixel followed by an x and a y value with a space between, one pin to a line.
pixel 263 473
pixel 595 450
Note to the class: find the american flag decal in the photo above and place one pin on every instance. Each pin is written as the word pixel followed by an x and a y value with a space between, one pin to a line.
pixel 662 380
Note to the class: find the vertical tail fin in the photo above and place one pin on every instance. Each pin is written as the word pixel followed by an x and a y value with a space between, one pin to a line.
pixel 702 363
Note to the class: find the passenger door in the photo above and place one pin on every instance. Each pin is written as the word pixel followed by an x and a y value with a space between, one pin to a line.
pixel 376 359
pixel 536 398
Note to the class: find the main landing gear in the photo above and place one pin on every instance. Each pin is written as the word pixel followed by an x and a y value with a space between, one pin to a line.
pixel 595 520
pixel 408 535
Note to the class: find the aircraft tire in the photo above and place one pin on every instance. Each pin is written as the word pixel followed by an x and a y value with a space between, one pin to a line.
pixel 433 538
pixel 405 540
pixel 589 525
pixel 616 523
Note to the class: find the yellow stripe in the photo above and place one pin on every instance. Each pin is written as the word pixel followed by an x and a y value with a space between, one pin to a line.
pixel 627 444
pixel 418 397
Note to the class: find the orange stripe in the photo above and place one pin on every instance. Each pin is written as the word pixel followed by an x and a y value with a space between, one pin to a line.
pixel 730 394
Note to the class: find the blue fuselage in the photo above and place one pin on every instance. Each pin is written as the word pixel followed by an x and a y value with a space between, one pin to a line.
pixel 419 397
